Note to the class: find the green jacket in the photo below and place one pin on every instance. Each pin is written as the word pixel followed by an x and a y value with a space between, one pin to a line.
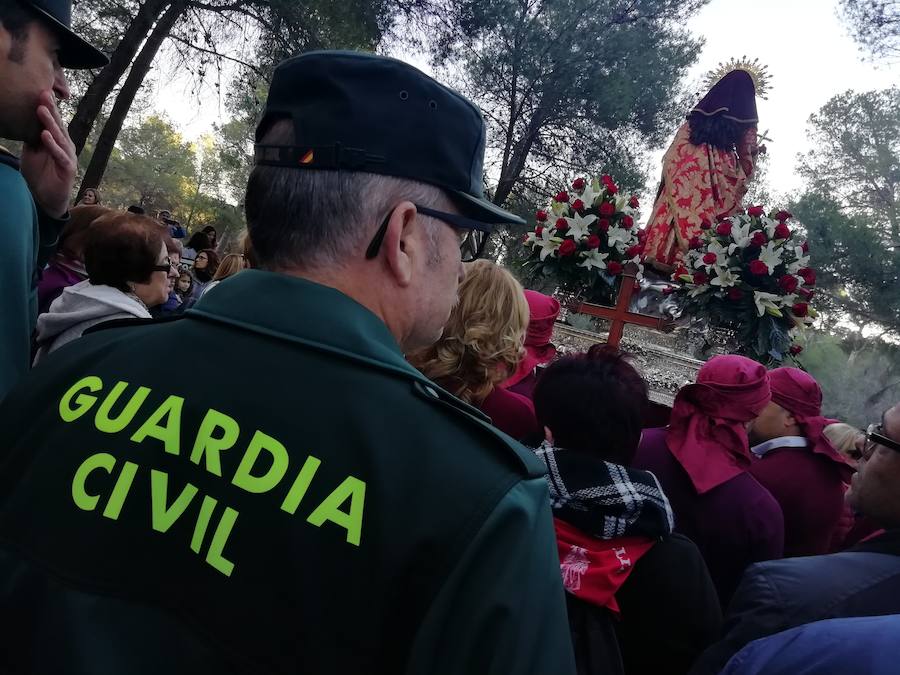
pixel 28 242
pixel 267 486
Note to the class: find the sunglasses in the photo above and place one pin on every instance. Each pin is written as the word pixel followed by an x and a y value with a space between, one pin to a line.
pixel 472 238
pixel 874 436
pixel 165 266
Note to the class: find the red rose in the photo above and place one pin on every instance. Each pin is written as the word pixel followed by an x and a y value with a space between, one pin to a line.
pixel 710 258
pixel 700 277
pixel 723 228
pixel 782 231
pixel 800 309
pixel 541 216
pixel 795 349
pixel 634 251
pixel 668 290
pixel 755 211
pixel 642 236
pixel 562 225
pixel 562 196
pixel 696 242
pixel 578 205
pixel 705 225
pixel 627 222
pixel 735 293
pixel 633 202
pixel 607 209
pixel 578 184
pixel 758 239
pixel 809 276
pixel 681 271
pixel 804 247
pixel 593 241
pixel 759 268
pixel 539 231
pixel 806 294
pixel 788 283
pixel 614 267
pixel 567 248
pixel 603 224
pixel 611 188
pixel 782 216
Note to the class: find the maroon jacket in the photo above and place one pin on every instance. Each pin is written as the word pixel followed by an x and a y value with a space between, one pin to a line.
pixel 734 524
pixel 511 413
pixel 810 490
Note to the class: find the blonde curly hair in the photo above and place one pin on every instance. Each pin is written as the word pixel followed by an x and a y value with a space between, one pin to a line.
pixel 483 340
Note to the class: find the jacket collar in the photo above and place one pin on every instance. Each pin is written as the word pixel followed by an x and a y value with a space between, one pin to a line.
pixel 307 313
pixel 760 449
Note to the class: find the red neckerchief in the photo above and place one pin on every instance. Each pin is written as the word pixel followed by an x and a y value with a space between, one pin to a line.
pixel 594 569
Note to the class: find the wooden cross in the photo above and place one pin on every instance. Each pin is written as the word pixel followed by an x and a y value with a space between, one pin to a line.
pixel 619 315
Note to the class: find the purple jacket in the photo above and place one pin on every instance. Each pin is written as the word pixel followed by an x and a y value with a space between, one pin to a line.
pixel 733 525
pixel 56 277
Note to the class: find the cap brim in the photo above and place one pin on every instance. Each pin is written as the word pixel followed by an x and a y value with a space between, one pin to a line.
pixel 484 211
pixel 75 53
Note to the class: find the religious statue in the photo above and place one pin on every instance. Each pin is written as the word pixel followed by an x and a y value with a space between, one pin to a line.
pixel 708 165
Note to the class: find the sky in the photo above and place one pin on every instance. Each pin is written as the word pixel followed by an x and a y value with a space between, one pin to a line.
pixel 808 52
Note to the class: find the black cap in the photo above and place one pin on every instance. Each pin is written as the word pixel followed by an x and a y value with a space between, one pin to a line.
pixel 75 53
pixel 361 112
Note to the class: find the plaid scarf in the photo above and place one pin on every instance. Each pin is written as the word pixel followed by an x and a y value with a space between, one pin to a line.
pixel 605 500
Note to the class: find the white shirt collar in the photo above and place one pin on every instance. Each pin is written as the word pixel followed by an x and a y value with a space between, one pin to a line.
pixel 782 442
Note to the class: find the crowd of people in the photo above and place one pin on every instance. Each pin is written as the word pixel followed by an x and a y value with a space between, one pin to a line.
pixel 399 472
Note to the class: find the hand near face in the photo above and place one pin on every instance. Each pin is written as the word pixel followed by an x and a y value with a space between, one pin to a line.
pixel 49 167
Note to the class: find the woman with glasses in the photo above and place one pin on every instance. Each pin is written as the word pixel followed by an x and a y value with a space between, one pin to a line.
pixel 481 346
pixel 128 266
pixel 206 264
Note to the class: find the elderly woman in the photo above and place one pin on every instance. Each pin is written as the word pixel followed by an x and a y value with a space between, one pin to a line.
pixel 482 346
pixel 128 267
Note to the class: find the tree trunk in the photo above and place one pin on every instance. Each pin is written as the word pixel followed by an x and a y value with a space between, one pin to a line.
pixel 98 92
pixel 133 82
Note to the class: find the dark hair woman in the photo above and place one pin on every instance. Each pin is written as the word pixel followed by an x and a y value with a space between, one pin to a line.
pixel 210 232
pixel 206 264
pixel 128 266
pixel 197 242
pixel 628 577
pixel 66 267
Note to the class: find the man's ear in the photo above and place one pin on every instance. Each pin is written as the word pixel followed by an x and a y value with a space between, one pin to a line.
pixel 789 419
pixel 400 244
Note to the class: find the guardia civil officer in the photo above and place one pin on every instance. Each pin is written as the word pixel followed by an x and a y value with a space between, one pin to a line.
pixel 306 501
pixel 36 43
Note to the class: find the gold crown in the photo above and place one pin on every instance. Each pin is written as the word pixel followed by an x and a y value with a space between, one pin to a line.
pixel 757 71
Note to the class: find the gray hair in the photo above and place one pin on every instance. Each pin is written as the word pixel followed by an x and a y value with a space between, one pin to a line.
pixel 309 218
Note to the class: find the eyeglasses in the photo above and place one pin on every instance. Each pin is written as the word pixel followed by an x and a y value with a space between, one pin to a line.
pixel 472 239
pixel 874 436
pixel 166 266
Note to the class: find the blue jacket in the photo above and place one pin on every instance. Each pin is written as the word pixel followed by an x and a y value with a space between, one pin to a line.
pixel 781 594
pixel 29 239
pixel 869 645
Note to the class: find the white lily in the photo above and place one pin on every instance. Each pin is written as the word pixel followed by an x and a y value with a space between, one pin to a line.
pixel 724 277
pixel 589 195
pixel 578 226
pixel 766 302
pixel 801 261
pixel 545 242
pixel 770 225
pixel 619 237
pixel 770 254
pixel 740 234
pixel 720 251
pixel 594 259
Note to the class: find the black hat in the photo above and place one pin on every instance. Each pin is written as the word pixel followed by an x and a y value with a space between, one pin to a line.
pixel 733 97
pixel 361 112
pixel 75 53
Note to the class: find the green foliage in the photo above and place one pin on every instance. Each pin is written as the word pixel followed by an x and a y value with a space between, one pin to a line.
pixel 851 207
pixel 875 25
pixel 568 86
pixel 860 377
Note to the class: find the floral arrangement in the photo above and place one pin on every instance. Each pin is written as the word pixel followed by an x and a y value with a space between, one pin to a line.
pixel 587 236
pixel 751 273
